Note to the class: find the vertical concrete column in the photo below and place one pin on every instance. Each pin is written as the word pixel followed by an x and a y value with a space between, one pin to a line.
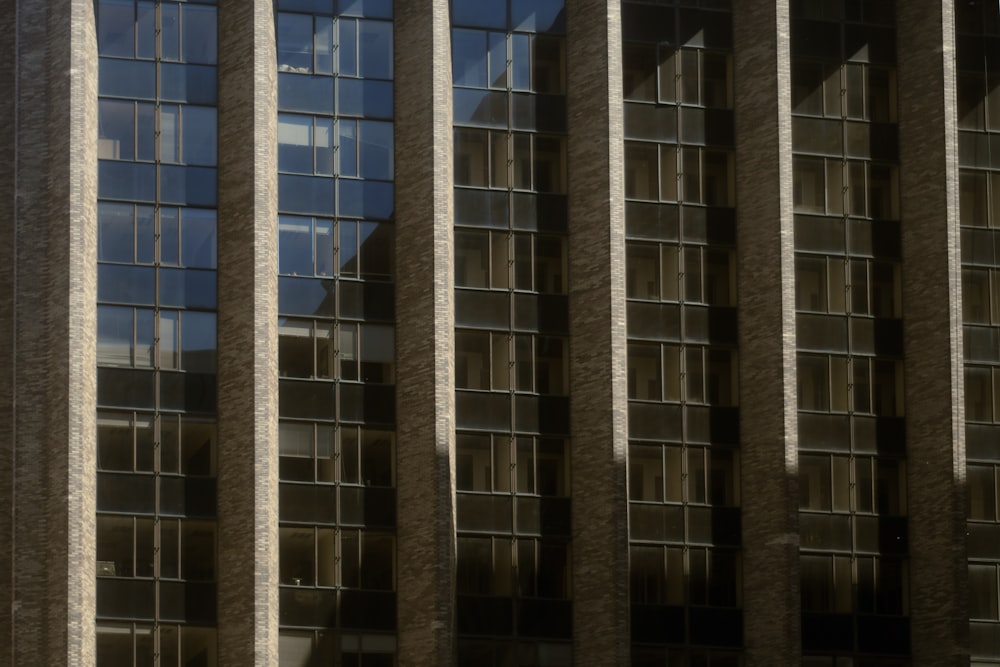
pixel 425 334
pixel 8 311
pixel 597 365
pixel 766 300
pixel 247 335
pixel 932 332
pixel 48 314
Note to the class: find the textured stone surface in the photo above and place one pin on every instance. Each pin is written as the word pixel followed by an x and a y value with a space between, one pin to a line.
pixel 425 404
pixel 597 365
pixel 766 292
pixel 48 314
pixel 247 335
pixel 932 333
pixel 8 215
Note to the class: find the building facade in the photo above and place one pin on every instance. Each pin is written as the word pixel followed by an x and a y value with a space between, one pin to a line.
pixel 500 333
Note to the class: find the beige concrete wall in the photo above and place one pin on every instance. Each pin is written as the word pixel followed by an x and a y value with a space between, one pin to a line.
pixel 932 333
pixel 247 335
pixel 598 390
pixel 766 293
pixel 425 324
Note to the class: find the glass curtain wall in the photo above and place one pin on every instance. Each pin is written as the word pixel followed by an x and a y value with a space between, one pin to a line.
pixel 978 43
pixel 336 359
pixel 684 517
pixel 511 347
pixel 156 333
pixel 852 447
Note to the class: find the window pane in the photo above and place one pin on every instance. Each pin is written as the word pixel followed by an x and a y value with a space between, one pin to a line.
pixel 295 37
pixel 115 235
pixel 116 28
pixel 347 49
pixel 348 150
pixel 295 144
pixel 198 238
pixel 198 25
pixel 375 149
pixel 199 135
pixel 116 130
pixel 375 49
pixel 198 342
pixel 114 336
pixel 295 252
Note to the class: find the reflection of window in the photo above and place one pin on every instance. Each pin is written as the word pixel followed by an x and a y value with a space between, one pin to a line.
pixel 836 186
pixel 844 90
pixel 125 548
pixel 328 557
pixel 501 361
pixel 861 385
pixel 983 484
pixel 308 144
pixel 132 234
pixel 186 32
pixel 847 285
pixel 125 442
pixel 660 172
pixel 982 394
pixel 675 576
pixel 831 483
pixel 523 567
pixel 670 272
pixel 328 45
pixel 668 75
pixel 169 339
pixel 132 644
pixel 689 373
pixel 494 159
pixel 979 194
pixel 536 62
pixel 673 474
pixel 984 598
pixel 349 454
pixel 325 248
pixel 342 350
pixel 502 464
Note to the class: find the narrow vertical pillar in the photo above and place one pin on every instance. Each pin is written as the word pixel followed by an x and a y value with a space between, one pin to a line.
pixel 598 389
pixel 247 336
pixel 425 326
pixel 766 291
pixel 48 313
pixel 932 333
pixel 8 312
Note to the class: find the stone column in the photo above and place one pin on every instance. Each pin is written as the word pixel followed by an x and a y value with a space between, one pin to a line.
pixel 932 332
pixel 48 315
pixel 425 333
pixel 247 335
pixel 598 389
pixel 766 300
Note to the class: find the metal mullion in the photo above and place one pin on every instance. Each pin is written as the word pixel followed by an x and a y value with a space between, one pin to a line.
pixel 335 226
pixel 700 74
pixel 180 33
pixel 315 355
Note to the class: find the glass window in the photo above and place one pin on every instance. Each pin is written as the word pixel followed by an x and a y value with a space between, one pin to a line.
pixel 295 144
pixel 375 149
pixel 295 43
pixel 374 49
pixel 199 137
pixel 198 25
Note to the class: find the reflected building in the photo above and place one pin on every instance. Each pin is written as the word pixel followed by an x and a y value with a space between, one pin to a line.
pixel 501 333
